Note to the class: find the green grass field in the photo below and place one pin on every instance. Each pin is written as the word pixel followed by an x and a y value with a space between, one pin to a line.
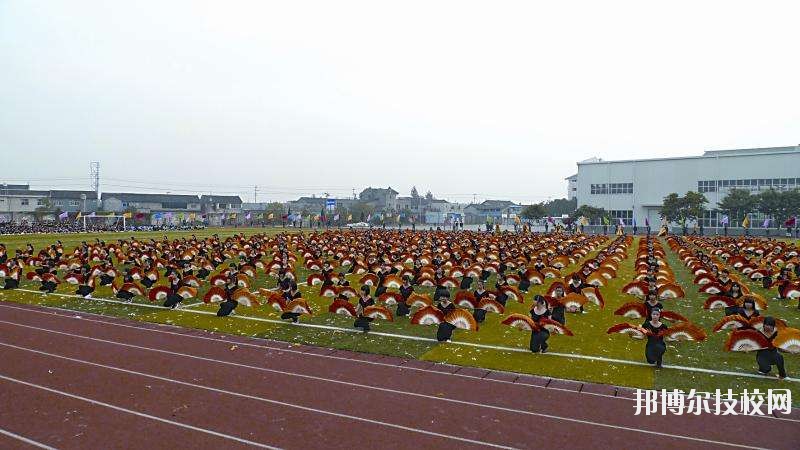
pixel 612 359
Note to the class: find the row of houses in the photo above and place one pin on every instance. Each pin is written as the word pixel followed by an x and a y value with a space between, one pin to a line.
pixel 20 203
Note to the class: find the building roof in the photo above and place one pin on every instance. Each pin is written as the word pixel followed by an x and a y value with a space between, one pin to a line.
pixel 495 204
pixel 379 190
pixel 707 154
pixel 15 187
pixel 572 177
pixel 90 195
pixel 149 198
pixel 230 199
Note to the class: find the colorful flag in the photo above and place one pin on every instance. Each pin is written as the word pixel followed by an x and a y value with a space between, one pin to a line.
pixel 606 221
pixel 349 217
pixel 248 216
pixel 621 222
pixel 336 218
pixel 790 222
pixel 92 214
pixel 63 215
pixel 724 220
pixel 139 216
pixel 127 215
pixel 549 219
pixel 271 216
pixel 232 216
pixel 192 216
pixel 647 221
pixel 746 222
pixel 766 223
pixel 634 221
pixel 157 216
pixel 369 217
pixel 78 216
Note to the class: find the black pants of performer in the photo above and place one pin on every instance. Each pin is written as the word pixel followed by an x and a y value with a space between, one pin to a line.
pixel 524 285
pixel 558 315
pixel 47 286
pixel 402 310
pixel 768 358
pixel 226 308
pixel 731 310
pixel 124 295
pixel 654 351
pixel 444 332
pixel 105 280
pixel 362 322
pixel 172 301
pixel 479 315
pixel 84 290
pixel 539 340
pixel 290 316
pixel 380 291
pixel 147 282
pixel 11 283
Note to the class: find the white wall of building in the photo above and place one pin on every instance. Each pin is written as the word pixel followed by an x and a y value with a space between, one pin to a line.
pixel 654 179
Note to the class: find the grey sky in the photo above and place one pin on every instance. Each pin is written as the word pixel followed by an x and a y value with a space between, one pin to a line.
pixel 497 99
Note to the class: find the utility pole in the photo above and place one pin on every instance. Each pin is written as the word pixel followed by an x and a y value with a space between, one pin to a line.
pixel 255 194
pixel 94 176
pixel 474 198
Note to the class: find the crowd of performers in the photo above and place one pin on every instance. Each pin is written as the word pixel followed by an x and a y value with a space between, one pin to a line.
pixel 452 280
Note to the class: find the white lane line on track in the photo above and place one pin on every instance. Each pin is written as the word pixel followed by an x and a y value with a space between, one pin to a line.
pixel 136 413
pixel 279 349
pixel 73 314
pixel 26 440
pixel 399 392
pixel 235 394
pixel 424 339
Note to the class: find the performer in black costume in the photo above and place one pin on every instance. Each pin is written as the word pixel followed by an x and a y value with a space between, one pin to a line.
pixel 539 337
pixel 768 357
pixel 655 347
pixel 364 301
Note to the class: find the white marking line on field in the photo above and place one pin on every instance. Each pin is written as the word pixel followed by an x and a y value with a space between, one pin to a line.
pixel 247 396
pixel 190 305
pixel 424 339
pixel 130 411
pixel 26 440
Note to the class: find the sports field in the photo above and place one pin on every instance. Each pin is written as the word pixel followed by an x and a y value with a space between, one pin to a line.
pixel 590 355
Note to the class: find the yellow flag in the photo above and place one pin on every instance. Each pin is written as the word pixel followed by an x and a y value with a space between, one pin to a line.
pixel 78 216
pixel 127 215
pixel 746 222
pixel 349 217
pixel 271 216
pixel 192 216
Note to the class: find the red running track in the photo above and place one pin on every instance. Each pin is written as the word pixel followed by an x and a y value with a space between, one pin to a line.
pixel 78 380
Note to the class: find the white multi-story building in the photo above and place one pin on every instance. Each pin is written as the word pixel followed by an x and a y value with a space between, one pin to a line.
pixel 635 189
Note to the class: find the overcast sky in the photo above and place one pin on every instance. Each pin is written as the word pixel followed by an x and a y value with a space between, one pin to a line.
pixel 496 99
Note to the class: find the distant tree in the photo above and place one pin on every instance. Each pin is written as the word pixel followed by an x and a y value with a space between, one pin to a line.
pixel 536 211
pixel 671 206
pixel 689 207
pixel 693 205
pixel 737 203
pixel 361 210
pixel 561 206
pixel 428 196
pixel 414 192
pixel 773 204
pixel 590 212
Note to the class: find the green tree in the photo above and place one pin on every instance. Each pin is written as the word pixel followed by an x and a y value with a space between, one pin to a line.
pixel 693 205
pixel 689 207
pixel 561 206
pixel 361 210
pixel 774 204
pixel 590 212
pixel 414 192
pixel 536 211
pixel 671 207
pixel 737 203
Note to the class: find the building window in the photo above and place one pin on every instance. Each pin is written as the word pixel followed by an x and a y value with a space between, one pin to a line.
pixel 23 202
pixel 599 189
pixel 625 215
pixel 73 203
pixel 59 202
pixel 39 202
